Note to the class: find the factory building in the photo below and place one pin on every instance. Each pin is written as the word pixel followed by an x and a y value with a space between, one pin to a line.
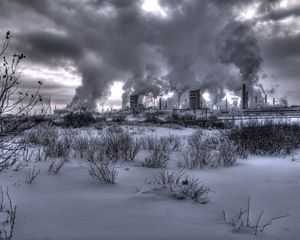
pixel 134 101
pixel 195 100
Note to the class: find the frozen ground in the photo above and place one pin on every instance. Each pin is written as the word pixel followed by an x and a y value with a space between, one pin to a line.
pixel 72 205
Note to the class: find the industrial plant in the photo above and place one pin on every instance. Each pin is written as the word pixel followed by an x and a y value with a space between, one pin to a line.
pixel 244 106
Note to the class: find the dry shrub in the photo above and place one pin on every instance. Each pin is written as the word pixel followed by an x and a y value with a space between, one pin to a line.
pixel 148 142
pixel 114 146
pixel 80 145
pixel 103 169
pixel 242 222
pixel 8 211
pixel 57 149
pixel 265 138
pixel 43 134
pixel 212 151
pixel 175 142
pixel 56 165
pixel 31 175
pixel 159 153
pixel 78 119
pixel 227 152
pixel 94 144
pixel 130 147
pixel 182 186
pixel 114 129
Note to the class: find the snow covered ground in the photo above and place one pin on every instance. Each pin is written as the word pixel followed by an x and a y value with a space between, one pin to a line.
pixel 72 205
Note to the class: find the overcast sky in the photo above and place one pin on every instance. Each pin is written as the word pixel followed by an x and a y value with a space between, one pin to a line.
pixel 80 49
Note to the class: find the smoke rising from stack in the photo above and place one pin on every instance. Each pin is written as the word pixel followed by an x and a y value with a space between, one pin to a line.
pixel 237 45
pixel 189 48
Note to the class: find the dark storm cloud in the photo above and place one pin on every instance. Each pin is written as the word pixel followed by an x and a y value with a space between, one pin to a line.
pixel 109 40
pixel 279 14
pixel 283 47
pixel 50 47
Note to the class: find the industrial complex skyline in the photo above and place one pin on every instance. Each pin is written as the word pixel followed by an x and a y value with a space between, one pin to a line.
pixel 97 53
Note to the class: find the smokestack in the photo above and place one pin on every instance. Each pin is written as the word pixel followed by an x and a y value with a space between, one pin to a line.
pixel 226 104
pixel 247 100
pixel 255 101
pixel 274 101
pixel 160 104
pixel 266 99
pixel 244 103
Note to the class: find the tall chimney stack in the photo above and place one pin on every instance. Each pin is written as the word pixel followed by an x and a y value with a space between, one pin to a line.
pixel 266 99
pixel 160 104
pixel 244 97
pixel 256 101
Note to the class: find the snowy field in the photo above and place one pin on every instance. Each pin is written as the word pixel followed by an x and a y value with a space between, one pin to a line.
pixel 72 205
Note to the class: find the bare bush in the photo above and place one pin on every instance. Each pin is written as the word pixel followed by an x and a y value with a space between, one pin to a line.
pixel 200 149
pixel 31 175
pixel 114 129
pixel 80 145
pixel 103 170
pixel 57 149
pixel 112 143
pixel 67 137
pixel 9 216
pixel 213 151
pixel 22 159
pixel 242 221
pixel 148 142
pixel 40 154
pixel 78 119
pixel 265 138
pixel 182 186
pixel 130 146
pixel 227 154
pixel 187 161
pixel 15 105
pixel 43 134
pixel 56 165
pixel 175 142
pixel 159 153
pixel 165 177
pixel 94 146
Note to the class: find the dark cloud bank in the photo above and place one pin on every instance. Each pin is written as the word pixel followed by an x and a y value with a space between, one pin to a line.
pixel 198 44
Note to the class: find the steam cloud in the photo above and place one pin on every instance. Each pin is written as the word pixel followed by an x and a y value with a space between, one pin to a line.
pixel 237 45
pixel 197 45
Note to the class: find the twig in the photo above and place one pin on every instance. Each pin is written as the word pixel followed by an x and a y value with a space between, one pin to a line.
pixel 257 223
pixel 270 222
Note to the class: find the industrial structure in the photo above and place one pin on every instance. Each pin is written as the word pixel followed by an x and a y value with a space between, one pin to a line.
pixel 134 101
pixel 195 100
pixel 244 97
pixel 251 105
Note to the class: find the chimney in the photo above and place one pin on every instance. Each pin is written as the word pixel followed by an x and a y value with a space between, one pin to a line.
pixel 226 104
pixel 266 99
pixel 274 101
pixel 160 104
pixel 244 97
pixel 255 101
